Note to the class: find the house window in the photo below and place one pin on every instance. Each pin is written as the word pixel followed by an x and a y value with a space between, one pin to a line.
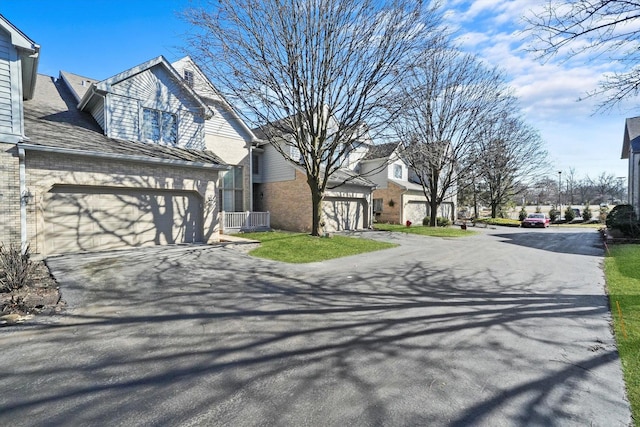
pixel 377 205
pixel 159 126
pixel 188 77
pixel 397 171
pixel 232 193
pixel 255 164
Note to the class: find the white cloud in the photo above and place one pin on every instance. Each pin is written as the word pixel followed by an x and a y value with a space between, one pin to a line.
pixel 548 92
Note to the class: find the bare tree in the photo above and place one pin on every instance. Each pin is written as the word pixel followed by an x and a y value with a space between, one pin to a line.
pixel 510 155
pixel 604 187
pixel 571 184
pixel 602 27
pixel 310 73
pixel 443 107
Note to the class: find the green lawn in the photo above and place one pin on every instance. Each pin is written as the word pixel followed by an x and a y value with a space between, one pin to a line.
pixel 425 231
pixel 302 248
pixel 622 271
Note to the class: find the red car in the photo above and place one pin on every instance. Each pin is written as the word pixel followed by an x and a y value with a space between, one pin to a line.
pixel 536 220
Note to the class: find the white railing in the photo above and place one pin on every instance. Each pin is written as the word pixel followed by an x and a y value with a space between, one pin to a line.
pixel 245 221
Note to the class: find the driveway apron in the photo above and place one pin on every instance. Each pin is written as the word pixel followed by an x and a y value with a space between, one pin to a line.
pixel 504 328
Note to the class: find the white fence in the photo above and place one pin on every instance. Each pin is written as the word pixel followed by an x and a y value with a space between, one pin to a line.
pixel 245 221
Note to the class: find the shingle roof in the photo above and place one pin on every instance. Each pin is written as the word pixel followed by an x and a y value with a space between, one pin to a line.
pixel 53 120
pixel 79 85
pixel 347 176
pixel 380 151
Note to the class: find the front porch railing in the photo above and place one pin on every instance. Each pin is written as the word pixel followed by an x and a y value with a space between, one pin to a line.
pixel 245 221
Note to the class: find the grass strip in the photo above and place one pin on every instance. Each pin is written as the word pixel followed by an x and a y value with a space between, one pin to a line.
pixel 622 272
pixel 301 248
pixel 425 231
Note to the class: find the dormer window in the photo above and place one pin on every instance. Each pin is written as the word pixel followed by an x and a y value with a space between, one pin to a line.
pixel 188 77
pixel 397 171
pixel 159 127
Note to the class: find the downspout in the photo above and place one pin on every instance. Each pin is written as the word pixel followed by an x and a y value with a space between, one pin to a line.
pixel 251 176
pixel 23 200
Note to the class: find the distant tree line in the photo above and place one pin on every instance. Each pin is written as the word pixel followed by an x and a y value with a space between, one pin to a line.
pixel 552 189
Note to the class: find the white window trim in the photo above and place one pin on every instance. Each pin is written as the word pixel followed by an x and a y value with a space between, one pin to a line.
pixel 142 126
pixel 393 172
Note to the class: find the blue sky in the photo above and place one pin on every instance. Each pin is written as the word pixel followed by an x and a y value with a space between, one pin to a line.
pixel 98 39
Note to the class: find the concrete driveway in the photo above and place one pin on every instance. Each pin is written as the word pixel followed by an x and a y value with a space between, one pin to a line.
pixel 509 327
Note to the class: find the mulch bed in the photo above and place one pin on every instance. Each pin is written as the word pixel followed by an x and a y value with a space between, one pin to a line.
pixel 41 297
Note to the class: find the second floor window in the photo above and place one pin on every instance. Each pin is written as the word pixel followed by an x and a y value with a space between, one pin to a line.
pixel 255 164
pixel 188 77
pixel 159 126
pixel 397 171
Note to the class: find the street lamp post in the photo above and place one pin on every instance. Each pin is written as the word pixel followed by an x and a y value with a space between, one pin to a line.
pixel 559 198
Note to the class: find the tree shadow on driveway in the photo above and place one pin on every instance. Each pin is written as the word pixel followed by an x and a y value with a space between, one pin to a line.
pixel 214 337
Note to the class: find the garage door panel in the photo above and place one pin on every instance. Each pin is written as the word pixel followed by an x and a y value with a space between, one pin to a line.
pixel 85 218
pixel 343 214
pixel 416 211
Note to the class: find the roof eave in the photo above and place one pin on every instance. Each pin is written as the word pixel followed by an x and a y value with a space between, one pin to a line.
pixel 123 157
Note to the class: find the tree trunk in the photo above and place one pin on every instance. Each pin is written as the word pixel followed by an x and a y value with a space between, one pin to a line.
pixel 494 209
pixel 317 227
pixel 433 207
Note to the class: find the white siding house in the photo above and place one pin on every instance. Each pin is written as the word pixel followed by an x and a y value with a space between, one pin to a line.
pixel 225 134
pixel 19 57
pixel 398 198
pixel 631 151
pixel 148 103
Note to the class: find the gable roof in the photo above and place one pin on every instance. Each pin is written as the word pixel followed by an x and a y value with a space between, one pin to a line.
pixel 631 137
pixel 221 100
pixel 53 123
pixel 29 53
pixel 380 151
pixel 78 85
pixel 104 86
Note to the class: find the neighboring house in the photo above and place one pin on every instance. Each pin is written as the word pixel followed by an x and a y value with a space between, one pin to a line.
pixel 631 151
pixel 397 198
pixel 122 162
pixel 281 188
pixel 228 136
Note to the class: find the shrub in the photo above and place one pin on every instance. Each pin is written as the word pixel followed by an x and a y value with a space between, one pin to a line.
pixel 440 221
pixel 586 213
pixel 499 221
pixel 16 268
pixel 443 222
pixel 569 214
pixel 623 218
pixel 522 214
pixel 554 214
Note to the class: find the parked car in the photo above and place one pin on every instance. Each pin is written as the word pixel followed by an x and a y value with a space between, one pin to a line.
pixel 577 213
pixel 536 220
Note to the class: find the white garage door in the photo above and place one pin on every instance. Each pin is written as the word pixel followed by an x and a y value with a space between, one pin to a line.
pixel 343 213
pixel 415 211
pixel 87 219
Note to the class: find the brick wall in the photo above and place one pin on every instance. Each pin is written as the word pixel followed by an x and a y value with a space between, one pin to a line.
pixel 9 195
pixel 44 170
pixel 289 203
pixel 390 214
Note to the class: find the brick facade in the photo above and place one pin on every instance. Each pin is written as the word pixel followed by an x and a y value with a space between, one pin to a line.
pixel 289 203
pixel 9 195
pixel 392 200
pixel 44 170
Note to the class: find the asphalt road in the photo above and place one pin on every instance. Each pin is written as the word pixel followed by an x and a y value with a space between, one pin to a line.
pixel 506 328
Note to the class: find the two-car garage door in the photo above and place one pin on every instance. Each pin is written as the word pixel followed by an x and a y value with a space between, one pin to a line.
pixel 89 218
